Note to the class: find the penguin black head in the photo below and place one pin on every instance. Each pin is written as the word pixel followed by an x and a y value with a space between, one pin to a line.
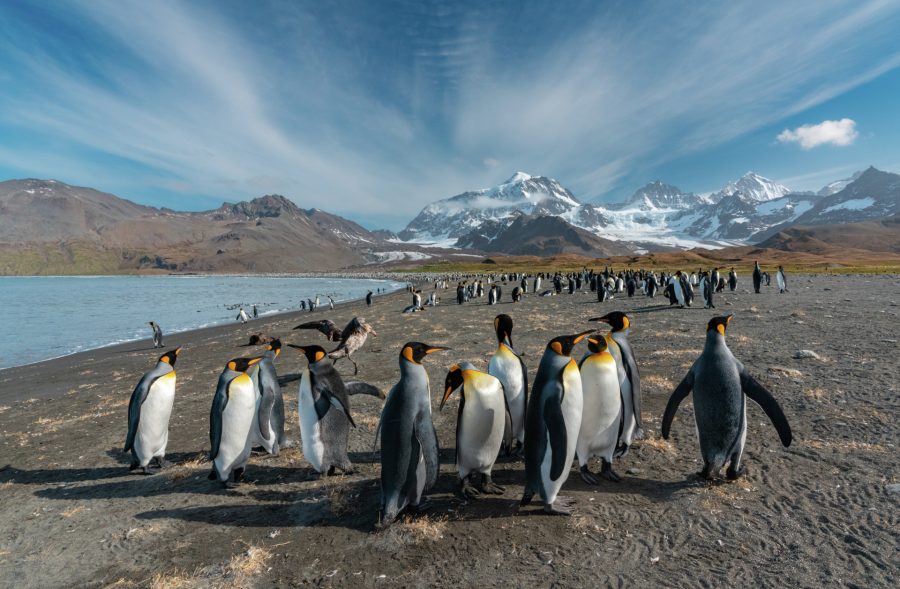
pixel 718 324
pixel 170 357
pixel 503 325
pixel 313 352
pixel 275 346
pixel 597 344
pixel 415 351
pixel 563 344
pixel 453 381
pixel 242 364
pixel 618 320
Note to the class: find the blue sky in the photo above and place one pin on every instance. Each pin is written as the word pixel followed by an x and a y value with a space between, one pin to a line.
pixel 373 109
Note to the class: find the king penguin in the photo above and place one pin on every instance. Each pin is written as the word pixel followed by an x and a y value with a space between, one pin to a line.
pixel 509 368
pixel 231 421
pixel 270 410
pixel 481 424
pixel 148 415
pixel 720 382
pixel 757 277
pixel 629 378
pixel 409 446
pixel 601 417
pixel 323 404
pixel 552 424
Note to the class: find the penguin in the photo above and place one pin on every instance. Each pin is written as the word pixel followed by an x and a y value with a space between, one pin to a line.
pixel 409 446
pixel 552 423
pixel 148 415
pixel 652 285
pixel 781 279
pixel 629 378
pixel 231 421
pixel 677 291
pixel 757 277
pixel 323 404
pixel 720 382
pixel 492 295
pixel 509 368
pixel 732 280
pixel 602 413
pixel 270 410
pixel 482 423
pixel 537 283
pixel 687 290
pixel 369 299
pixel 517 294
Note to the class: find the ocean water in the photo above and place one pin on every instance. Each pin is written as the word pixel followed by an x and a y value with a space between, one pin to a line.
pixel 44 317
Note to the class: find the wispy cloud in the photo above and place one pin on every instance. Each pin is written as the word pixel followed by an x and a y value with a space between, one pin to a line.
pixel 373 111
pixel 840 133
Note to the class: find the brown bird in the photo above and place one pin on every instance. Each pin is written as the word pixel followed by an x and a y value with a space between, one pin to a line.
pixel 352 339
pixel 325 326
pixel 259 339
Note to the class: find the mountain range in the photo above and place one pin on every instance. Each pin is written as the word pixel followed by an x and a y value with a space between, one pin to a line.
pixel 49 227
pixel 658 215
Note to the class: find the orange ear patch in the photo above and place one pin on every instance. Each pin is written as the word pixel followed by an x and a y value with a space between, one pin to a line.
pixel 556 347
pixel 720 328
pixel 408 354
pixel 232 366
pixel 319 355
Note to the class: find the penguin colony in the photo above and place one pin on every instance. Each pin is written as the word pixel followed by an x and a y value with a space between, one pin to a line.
pixel 589 409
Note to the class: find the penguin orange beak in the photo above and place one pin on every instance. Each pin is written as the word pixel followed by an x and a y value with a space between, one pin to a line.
pixel 296 347
pixel 436 349
pixel 254 361
pixel 582 335
pixel 177 351
pixel 447 394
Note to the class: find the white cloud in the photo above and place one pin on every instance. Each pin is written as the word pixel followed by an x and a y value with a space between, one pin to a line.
pixel 842 133
pixel 490 162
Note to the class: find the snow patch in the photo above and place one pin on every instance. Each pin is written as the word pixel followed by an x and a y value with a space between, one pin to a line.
pixel 855 204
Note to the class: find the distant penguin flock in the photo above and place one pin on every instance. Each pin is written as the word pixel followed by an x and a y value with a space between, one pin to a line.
pixel 586 410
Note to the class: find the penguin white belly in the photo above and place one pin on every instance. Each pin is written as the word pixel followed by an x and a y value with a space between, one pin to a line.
pixel 572 406
pixel 310 426
pixel 679 294
pixel 507 368
pixel 480 432
pixel 780 279
pixel 237 427
pixel 153 425
pixel 602 408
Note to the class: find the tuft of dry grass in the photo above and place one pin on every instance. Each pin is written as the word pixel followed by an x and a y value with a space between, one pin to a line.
pixel 186 468
pixel 240 571
pixel 845 445
pixel 693 352
pixel 340 499
pixel 134 533
pixel 658 444
pixel 816 394
pixel 369 421
pixel 73 511
pixel 4 408
pixel 654 383
pixel 787 372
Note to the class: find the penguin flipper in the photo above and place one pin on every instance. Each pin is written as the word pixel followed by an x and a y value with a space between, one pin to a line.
pixel 756 391
pixel 333 390
pixel 363 388
pixel 683 389
pixel 556 430
pixel 524 380
pixel 264 415
pixel 427 437
pixel 215 422
pixel 631 371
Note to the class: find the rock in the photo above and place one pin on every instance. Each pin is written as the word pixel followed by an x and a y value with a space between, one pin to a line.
pixel 633 471
pixel 782 371
pixel 892 488
pixel 800 354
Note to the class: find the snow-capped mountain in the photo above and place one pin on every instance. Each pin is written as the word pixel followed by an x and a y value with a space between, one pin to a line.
pixel 754 188
pixel 838 185
pixel 657 215
pixel 458 215
pixel 659 195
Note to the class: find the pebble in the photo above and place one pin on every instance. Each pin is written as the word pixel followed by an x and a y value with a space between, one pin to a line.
pixel 893 488
pixel 806 354
pixel 633 471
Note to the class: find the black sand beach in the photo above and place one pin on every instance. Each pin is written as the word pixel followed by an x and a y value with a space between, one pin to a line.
pixel 823 512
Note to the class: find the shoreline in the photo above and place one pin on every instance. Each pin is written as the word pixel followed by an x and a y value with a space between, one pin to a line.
pixel 65 361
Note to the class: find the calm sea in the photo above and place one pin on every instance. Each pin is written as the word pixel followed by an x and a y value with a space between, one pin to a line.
pixel 44 317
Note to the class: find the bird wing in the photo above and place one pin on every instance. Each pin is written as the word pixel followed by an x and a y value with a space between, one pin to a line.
pixel 556 427
pixel 363 388
pixel 215 419
pixel 325 326
pixel 756 391
pixel 333 391
pixel 352 326
pixel 683 389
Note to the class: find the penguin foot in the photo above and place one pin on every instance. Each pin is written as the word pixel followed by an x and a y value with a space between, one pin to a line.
pixel 489 487
pixel 734 474
pixel 608 473
pixel 526 498
pixel 467 490
pixel 706 474
pixel 231 484
pixel 212 475
pixel 134 465
pixel 554 509
pixel 421 507
pixel 621 450
pixel 588 477
pixel 150 470
pixel 162 462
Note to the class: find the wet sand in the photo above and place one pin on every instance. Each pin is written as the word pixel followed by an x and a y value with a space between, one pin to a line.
pixel 823 512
